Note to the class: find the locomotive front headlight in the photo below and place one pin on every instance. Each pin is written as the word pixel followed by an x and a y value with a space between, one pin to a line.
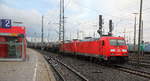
pixel 112 50
pixel 112 54
pixel 125 54
pixel 124 50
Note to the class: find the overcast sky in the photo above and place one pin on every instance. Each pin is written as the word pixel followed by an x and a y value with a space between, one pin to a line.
pixel 81 15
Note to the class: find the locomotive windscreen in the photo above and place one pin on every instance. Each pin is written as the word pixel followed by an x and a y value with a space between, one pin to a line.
pixel 117 42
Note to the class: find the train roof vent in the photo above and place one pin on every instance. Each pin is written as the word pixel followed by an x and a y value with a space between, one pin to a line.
pixel 75 39
pixel 87 37
pixel 90 39
pixel 67 41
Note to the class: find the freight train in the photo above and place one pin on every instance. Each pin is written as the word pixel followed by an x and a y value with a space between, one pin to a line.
pixel 51 46
pixel 106 48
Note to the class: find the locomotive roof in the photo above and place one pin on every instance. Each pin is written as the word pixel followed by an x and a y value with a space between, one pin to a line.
pixel 90 39
pixel 94 39
pixel 104 37
pixel 110 37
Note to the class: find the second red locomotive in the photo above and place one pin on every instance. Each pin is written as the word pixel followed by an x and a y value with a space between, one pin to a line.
pixel 105 48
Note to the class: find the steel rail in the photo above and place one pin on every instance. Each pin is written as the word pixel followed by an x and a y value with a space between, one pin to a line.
pixel 142 61
pixel 57 72
pixel 142 64
pixel 133 71
pixel 71 69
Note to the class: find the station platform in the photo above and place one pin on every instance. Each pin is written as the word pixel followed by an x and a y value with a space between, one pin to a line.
pixel 35 68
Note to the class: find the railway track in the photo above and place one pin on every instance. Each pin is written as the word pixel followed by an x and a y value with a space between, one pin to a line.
pixel 93 71
pixel 132 71
pixel 141 61
pixel 145 64
pixel 57 66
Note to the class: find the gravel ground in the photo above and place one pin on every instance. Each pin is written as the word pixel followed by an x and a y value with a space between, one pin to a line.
pixel 95 71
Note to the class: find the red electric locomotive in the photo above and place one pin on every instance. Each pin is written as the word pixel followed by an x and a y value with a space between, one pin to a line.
pixel 105 48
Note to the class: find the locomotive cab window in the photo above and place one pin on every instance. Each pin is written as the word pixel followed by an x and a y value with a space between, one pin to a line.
pixel 116 42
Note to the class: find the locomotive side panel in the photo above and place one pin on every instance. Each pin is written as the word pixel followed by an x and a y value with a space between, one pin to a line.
pixel 102 48
pixel 93 48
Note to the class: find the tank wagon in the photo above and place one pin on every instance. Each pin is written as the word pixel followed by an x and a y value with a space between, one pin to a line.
pixel 106 48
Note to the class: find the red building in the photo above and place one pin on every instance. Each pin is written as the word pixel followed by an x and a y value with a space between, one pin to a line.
pixel 13 43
